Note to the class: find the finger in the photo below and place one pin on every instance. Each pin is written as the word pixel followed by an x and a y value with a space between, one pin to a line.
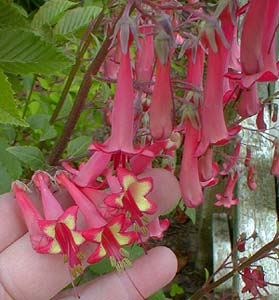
pixel 148 274
pixel 27 275
pixel 166 190
pixel 12 225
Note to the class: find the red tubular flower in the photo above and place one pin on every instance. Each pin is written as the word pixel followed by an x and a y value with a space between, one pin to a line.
pixel 275 162
pixel 251 181
pixel 257 52
pixel 89 210
pixel 57 232
pixel 208 169
pixel 110 239
pixel 253 280
pixel 190 185
pixel 161 103
pixel 226 199
pixel 132 197
pixel 122 118
pixel 248 104
pixel 214 129
pixel 145 55
pixel 260 119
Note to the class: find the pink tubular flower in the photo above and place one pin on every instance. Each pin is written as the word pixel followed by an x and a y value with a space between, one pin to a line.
pixel 226 199
pixel 109 236
pixel 57 232
pixel 145 55
pixel 232 160
pixel 275 162
pixel 257 52
pixel 248 104
pixel 208 169
pixel 214 129
pixel 253 280
pixel 110 239
pixel 132 198
pixel 122 119
pixel 251 178
pixel 190 185
pixel 161 103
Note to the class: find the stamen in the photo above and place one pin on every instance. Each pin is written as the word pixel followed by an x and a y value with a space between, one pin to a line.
pixel 124 252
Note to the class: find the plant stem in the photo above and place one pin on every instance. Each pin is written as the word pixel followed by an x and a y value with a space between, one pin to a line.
pixel 75 67
pixel 258 255
pixel 81 97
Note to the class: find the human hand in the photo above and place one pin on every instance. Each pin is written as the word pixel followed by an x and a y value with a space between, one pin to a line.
pixel 25 274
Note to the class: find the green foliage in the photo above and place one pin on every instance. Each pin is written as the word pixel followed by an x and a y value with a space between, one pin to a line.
pixel 11 16
pixel 29 155
pixel 176 290
pixel 23 52
pixel 160 295
pixel 78 145
pixel 50 12
pixel 8 110
pixel 76 19
pixel 10 167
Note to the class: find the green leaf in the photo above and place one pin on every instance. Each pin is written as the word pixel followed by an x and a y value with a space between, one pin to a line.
pixel 40 124
pixel 78 145
pixel 8 110
pixel 50 12
pixel 23 52
pixel 10 16
pixel 29 155
pixel 76 19
pixel 10 167
pixel 176 290
pixel 206 274
pixel 191 213
pixel 159 296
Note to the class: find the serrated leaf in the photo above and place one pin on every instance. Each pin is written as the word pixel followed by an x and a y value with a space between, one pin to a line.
pixel 78 145
pixel 10 16
pixel 50 12
pixel 10 168
pixel 8 110
pixel 23 52
pixel 76 19
pixel 29 155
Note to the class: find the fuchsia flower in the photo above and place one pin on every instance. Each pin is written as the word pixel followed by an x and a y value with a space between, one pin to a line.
pixel 214 128
pixel 132 198
pixel 257 52
pixel 122 118
pixel 161 103
pixel 145 55
pixel 275 162
pixel 57 232
pixel 253 279
pixel 226 199
pixel 110 238
pixel 190 185
pixel 109 235
pixel 248 104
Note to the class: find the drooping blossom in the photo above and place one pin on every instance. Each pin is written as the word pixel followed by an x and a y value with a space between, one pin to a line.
pixel 110 239
pixel 253 279
pixel 132 197
pixel 227 198
pixel 214 128
pixel 161 103
pixel 109 235
pixel 257 52
pixel 208 169
pixel 275 162
pixel 260 122
pixel 248 103
pixel 251 181
pixel 190 185
pixel 56 233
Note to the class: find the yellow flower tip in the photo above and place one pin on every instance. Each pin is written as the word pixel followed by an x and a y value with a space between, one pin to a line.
pixel 76 271
pixel 144 230
pixel 81 256
pixel 124 252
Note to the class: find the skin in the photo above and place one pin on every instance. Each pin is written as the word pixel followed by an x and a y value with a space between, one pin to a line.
pixel 27 275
